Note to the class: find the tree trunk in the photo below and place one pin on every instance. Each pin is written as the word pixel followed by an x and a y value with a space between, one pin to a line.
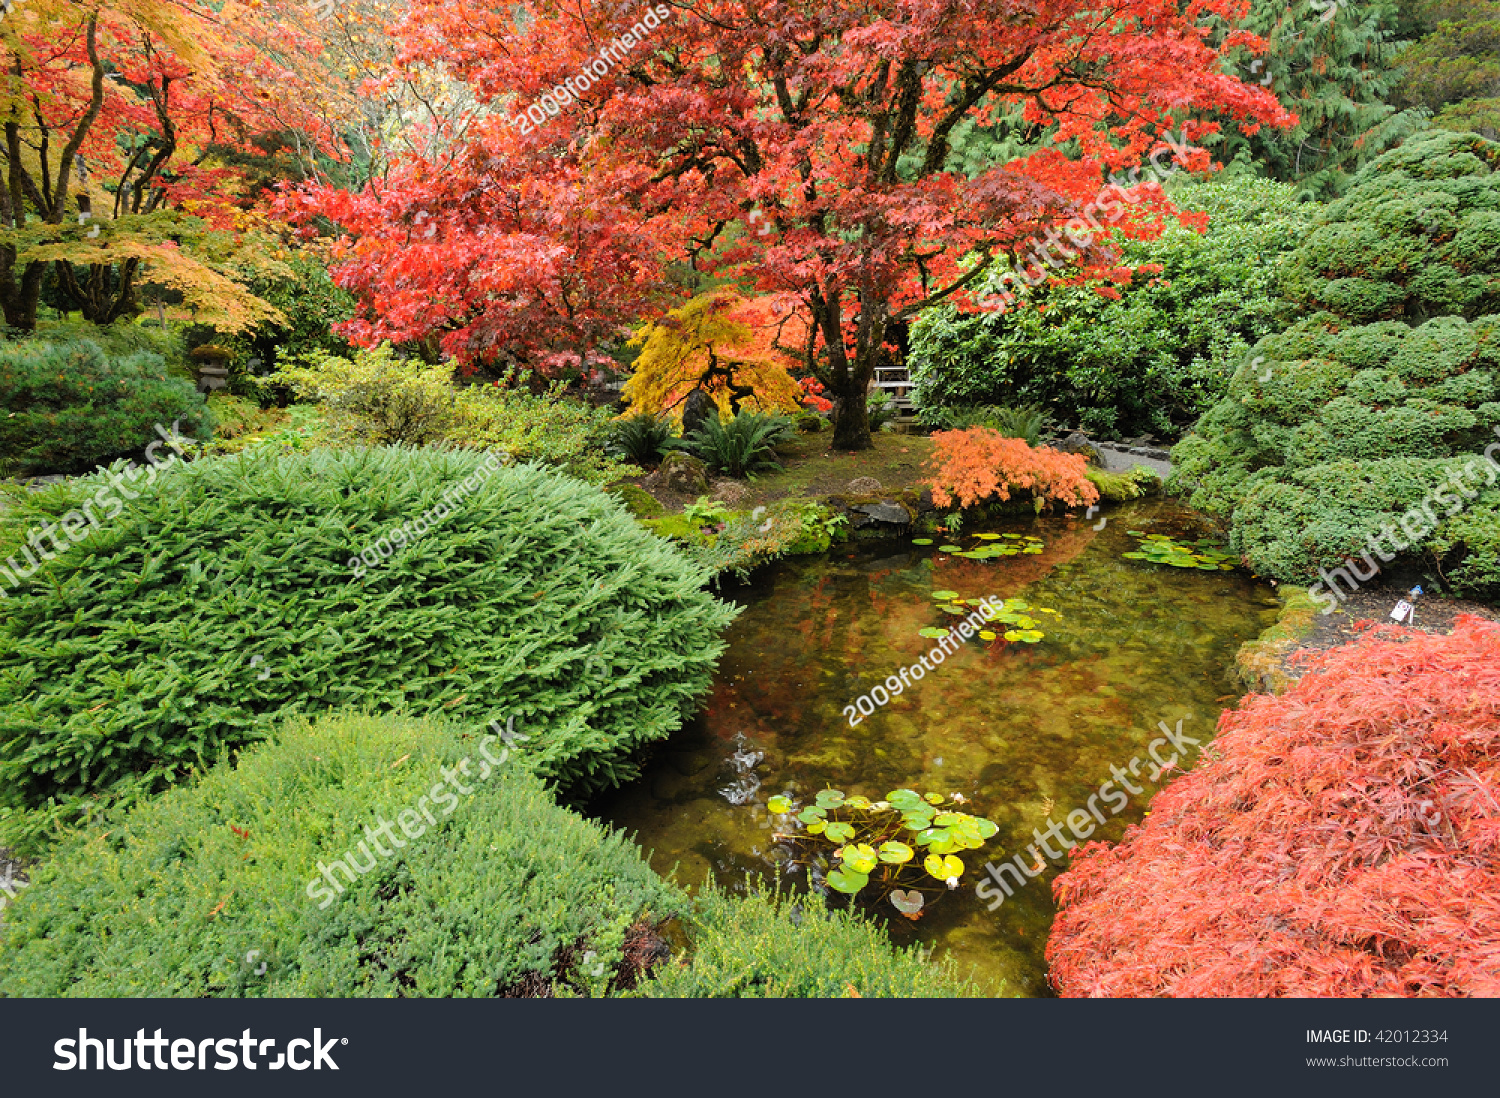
pixel 18 300
pixel 851 412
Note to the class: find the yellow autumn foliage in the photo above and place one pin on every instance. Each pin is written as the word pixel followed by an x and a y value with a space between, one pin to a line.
pixel 719 341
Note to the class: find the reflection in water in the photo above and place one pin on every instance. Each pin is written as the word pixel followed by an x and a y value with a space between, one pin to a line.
pixel 1020 731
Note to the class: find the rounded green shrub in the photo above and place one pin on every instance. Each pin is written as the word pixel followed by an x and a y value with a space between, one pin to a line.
pixel 226 887
pixel 1334 429
pixel 70 406
pixel 466 880
pixel 239 590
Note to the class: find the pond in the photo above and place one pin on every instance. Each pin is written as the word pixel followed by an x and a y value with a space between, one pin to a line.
pixel 1019 730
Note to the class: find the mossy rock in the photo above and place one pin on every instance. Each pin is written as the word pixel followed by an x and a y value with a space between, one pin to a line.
pixel 1260 664
pixel 639 502
pixel 1123 487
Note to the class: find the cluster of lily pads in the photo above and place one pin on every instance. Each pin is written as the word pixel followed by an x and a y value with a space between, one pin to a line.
pixel 1203 554
pixel 1007 545
pixel 878 840
pixel 1016 613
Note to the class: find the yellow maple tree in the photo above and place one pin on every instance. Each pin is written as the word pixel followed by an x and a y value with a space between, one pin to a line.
pixel 736 349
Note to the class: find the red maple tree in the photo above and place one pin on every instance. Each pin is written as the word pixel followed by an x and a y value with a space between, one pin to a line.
pixel 799 146
pixel 1342 839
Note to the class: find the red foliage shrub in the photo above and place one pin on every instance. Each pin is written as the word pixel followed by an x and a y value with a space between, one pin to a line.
pixel 1343 840
pixel 974 464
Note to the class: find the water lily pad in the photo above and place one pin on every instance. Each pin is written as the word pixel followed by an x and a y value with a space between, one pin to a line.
pixel 829 798
pixel 779 805
pixel 907 902
pixel 838 832
pixel 847 881
pixel 950 548
pixel 861 803
pixel 811 814
pixel 859 857
pixel 816 827
pixel 1136 533
pixel 947 609
pixel 896 853
pixel 921 541
pixel 943 868
pixel 932 633
pixel 934 798
pixel 986 635
pixel 987 828
pixel 987 537
pixel 944 596
pixel 903 800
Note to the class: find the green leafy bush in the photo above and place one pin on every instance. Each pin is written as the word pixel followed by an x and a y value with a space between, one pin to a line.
pixel 549 427
pixel 499 891
pixel 229 597
pixel 1028 422
pixel 882 411
pixel 765 947
pixel 1340 425
pixel 745 444
pixel 1151 361
pixel 375 397
pixel 71 406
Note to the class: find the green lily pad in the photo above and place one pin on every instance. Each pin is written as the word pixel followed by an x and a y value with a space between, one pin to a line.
pixel 896 853
pixel 944 596
pixel 838 832
pixel 811 814
pixel 932 633
pixel 921 541
pixel 861 803
pixel 947 609
pixel 829 798
pixel 986 635
pixel 779 805
pixel 934 798
pixel 816 827
pixel 987 537
pixel 847 881
pixel 904 800
pixel 950 548
pixel 943 868
pixel 859 857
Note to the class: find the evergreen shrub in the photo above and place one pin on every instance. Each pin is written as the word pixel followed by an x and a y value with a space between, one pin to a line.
pixel 70 406
pixel 225 599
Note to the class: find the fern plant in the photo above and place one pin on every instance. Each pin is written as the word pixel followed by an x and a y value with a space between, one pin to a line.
pixel 641 438
pixel 744 445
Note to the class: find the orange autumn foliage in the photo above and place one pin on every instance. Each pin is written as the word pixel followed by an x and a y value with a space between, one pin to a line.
pixel 978 464
pixel 1341 839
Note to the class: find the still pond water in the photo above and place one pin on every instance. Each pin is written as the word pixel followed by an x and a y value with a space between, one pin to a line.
pixel 1021 731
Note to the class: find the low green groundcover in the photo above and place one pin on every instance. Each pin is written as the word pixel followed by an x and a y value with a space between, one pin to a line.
pixel 227 888
pixel 191 620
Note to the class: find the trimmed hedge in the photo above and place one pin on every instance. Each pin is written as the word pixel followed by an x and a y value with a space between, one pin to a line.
pixel 196 891
pixel 191 892
pixel 223 600
pixel 70 405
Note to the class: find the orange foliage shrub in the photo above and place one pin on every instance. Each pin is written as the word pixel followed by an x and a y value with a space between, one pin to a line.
pixel 974 464
pixel 1344 842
